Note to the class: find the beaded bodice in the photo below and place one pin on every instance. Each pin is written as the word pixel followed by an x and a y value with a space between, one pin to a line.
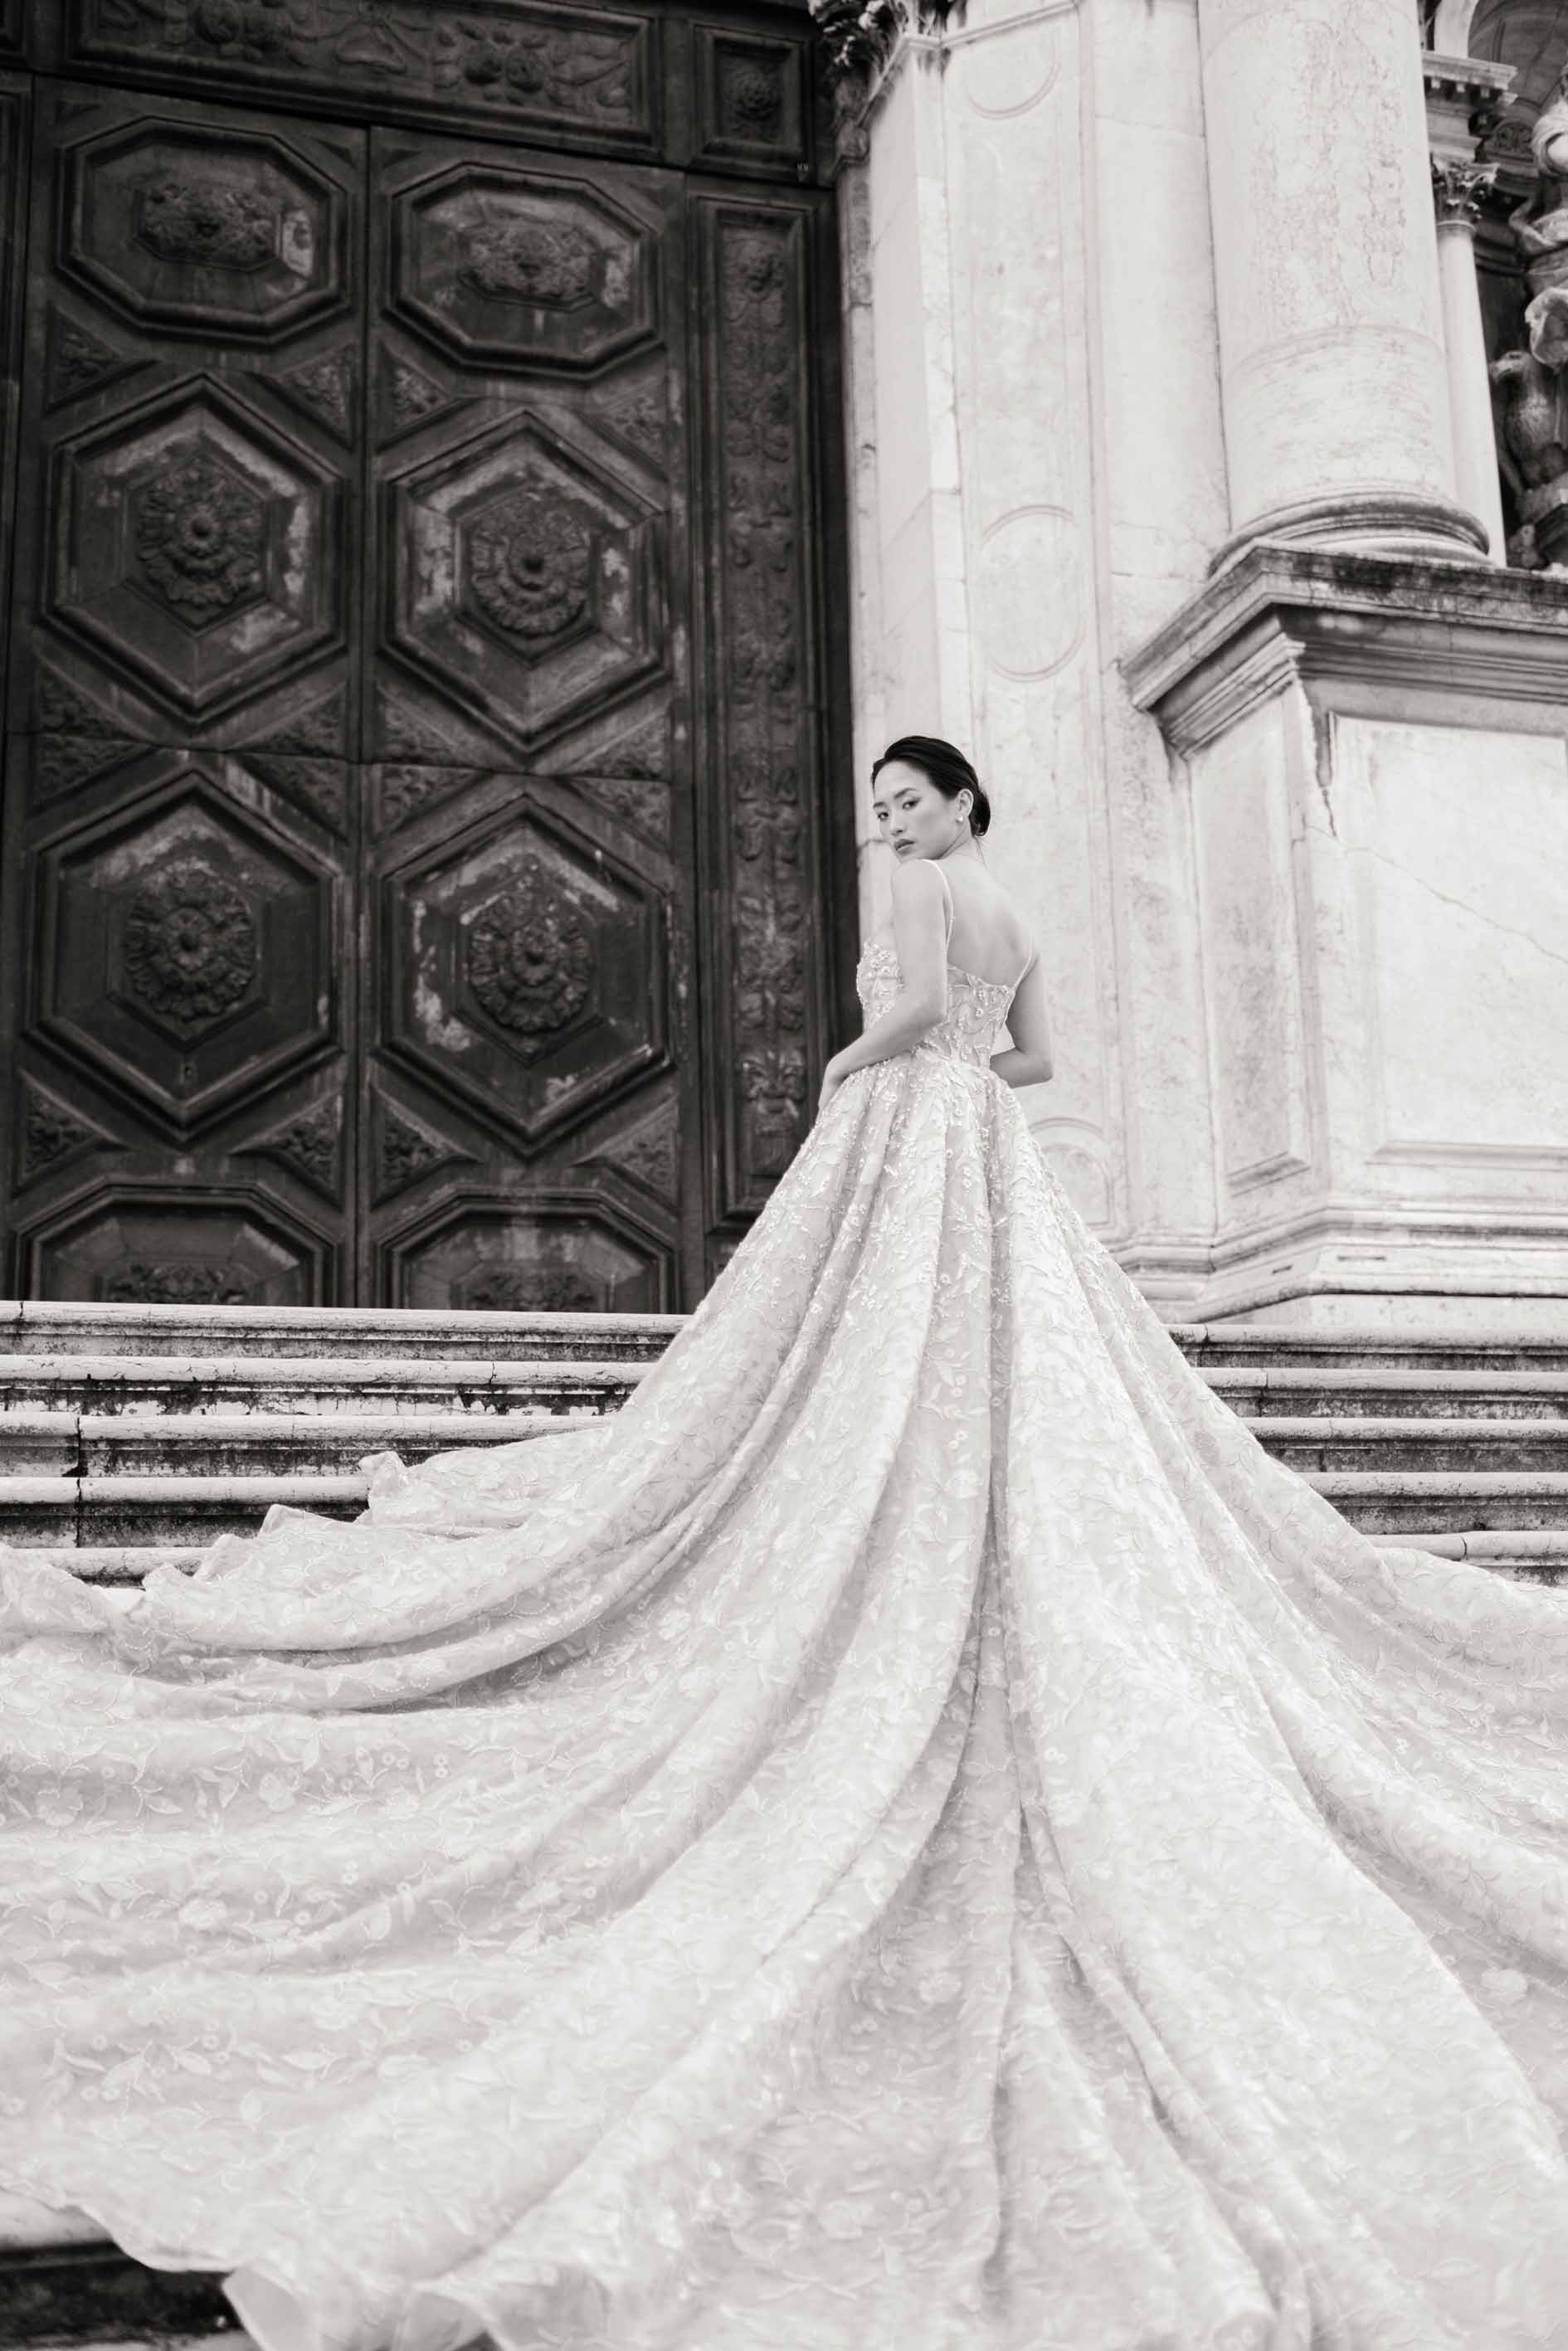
pixel 976 1007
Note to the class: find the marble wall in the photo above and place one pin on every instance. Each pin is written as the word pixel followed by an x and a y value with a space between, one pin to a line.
pixel 1265 919
pixel 1038 474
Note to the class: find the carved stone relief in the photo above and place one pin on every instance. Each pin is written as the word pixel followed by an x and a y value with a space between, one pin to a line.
pixel 519 270
pixel 530 566
pixel 198 529
pixel 188 950
pixel 51 1134
pixel 75 739
pixel 529 971
pixel 79 361
pixel 324 388
pixel 309 1144
pixel 1534 452
pixel 196 549
pixel 512 63
pixel 561 1252
pixel 526 580
pixel 137 1248
pixel 176 229
pixel 191 957
pixel 763 473
pixel 407 1150
pixel 528 955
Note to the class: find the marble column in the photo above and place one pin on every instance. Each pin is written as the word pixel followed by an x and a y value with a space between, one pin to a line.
pixel 1332 358
pixel 1456 189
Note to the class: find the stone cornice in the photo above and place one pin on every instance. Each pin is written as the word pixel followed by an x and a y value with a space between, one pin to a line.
pixel 1280 613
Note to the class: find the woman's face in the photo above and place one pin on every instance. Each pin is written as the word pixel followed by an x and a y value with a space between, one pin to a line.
pixel 911 816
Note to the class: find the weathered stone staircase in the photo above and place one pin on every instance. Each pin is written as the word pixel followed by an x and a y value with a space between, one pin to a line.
pixel 131 1433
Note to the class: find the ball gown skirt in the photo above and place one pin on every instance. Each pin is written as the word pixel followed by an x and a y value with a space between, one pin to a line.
pixel 914 1836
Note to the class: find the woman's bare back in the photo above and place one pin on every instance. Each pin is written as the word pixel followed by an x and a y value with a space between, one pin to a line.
pixel 989 936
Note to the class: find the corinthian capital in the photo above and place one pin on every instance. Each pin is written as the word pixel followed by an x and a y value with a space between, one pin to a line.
pixel 1458 189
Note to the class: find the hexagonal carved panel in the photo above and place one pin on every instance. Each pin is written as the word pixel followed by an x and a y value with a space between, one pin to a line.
pixel 180 228
pixel 527 579
pixel 132 1249
pixel 186 951
pixel 196 546
pixel 528 972
pixel 513 270
pixel 561 1252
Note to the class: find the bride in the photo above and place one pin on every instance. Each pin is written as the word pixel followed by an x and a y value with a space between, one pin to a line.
pixel 914 1836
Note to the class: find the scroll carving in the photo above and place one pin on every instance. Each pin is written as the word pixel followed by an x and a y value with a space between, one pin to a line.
pixel 49 1133
pixel 406 1149
pixel 762 487
pixel 567 68
pixel 311 1145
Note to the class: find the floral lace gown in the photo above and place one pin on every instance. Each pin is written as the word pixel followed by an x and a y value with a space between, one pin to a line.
pixel 914 1836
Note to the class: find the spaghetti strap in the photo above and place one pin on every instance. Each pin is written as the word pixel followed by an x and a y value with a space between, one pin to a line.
pixel 1028 963
pixel 948 893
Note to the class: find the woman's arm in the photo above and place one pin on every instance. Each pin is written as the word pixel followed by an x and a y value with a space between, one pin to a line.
pixel 920 937
pixel 1029 1062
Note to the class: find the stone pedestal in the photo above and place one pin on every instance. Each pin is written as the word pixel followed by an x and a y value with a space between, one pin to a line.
pixel 1331 339
pixel 1374 754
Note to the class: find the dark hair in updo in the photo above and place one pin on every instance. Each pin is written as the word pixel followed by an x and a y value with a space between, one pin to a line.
pixel 947 769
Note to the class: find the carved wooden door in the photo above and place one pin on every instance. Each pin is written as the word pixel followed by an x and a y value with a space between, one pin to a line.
pixel 414 883
pixel 183 836
pixel 528 1012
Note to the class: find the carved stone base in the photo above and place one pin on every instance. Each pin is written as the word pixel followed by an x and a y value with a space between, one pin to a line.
pixel 1393 523
pixel 1373 756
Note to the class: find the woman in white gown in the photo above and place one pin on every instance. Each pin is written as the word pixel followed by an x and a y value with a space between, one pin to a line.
pixel 914 1835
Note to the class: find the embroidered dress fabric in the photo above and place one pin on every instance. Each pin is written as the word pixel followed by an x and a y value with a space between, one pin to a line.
pixel 914 1836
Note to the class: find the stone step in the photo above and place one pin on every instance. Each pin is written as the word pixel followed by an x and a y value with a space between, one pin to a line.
pixel 1277 1347
pixel 88 2294
pixel 60 1513
pixel 1539 1554
pixel 92 1444
pixel 245 1445
pixel 1445 1501
pixel 1297 1390
pixel 320 1384
pixel 377 1334
pixel 371 1334
pixel 308 1384
pixel 1362 1441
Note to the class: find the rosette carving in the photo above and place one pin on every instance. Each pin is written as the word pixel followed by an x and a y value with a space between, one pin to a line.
pixel 529 956
pixel 531 566
pixel 190 947
pixel 199 534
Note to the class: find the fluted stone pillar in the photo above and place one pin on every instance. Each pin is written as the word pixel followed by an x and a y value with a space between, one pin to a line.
pixel 1457 190
pixel 1332 354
